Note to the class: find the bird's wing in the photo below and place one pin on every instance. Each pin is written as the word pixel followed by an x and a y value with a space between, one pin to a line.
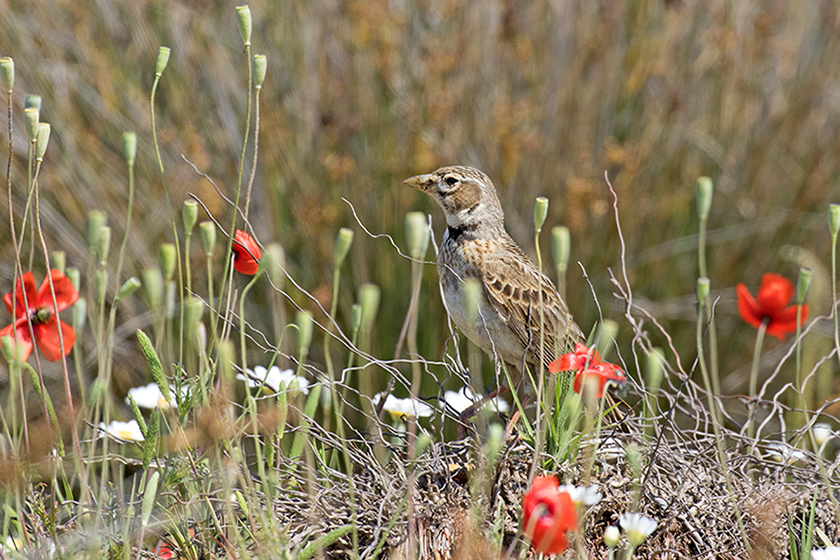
pixel 512 283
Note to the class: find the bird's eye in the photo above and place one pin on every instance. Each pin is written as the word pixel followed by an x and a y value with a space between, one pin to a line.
pixel 450 180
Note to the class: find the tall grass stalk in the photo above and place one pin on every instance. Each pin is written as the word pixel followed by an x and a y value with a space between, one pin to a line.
pixel 540 213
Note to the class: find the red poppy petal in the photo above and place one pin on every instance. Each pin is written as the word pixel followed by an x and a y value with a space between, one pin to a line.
pixel 20 334
pixel 46 334
pixel 29 286
pixel 65 292
pixel 246 253
pixel 748 307
pixel 775 293
pixel 785 322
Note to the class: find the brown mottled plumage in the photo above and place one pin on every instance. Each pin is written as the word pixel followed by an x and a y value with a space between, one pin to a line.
pixel 476 245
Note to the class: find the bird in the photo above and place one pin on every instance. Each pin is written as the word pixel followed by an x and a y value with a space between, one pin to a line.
pixel 511 326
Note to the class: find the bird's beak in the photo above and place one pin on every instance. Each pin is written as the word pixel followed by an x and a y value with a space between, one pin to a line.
pixel 419 182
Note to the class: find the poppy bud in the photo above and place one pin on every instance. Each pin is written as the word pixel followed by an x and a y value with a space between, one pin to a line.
pixel 207 229
pixel 7 73
pixel 33 100
pixel 260 64
pixel 355 317
pixel 416 234
pixel 162 60
pixel 75 277
pixel 342 245
pixel 304 322
pixel 190 215
pixel 95 223
pixel 803 282
pixel 42 140
pixel 104 244
pixel 540 212
pixel 7 343
pixel 153 285
pixel 834 219
pixel 369 295
pixel 129 141
pixel 129 287
pixel 79 315
pixel 167 260
pixel 702 290
pixel 58 260
pixel 704 197
pixel 30 118
pixel 193 311
pixel 561 247
pixel 243 17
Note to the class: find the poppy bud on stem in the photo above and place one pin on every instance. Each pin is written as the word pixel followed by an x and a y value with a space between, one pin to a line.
pixel 260 63
pixel 243 17
pixel 162 60
pixel 540 212
pixel 207 229
pixel 129 287
pixel 342 245
pixel 705 190
pixel 189 215
pixel 129 140
pixel 33 100
pixel 167 260
pixel 30 117
pixel 803 283
pixel 42 140
pixel 7 73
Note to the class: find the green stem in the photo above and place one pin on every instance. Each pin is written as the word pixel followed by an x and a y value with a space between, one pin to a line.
pixel 754 377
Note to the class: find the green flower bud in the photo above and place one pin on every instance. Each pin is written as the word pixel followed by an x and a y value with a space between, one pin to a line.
pixel 33 100
pixel 702 290
pixel 369 295
pixel 472 295
pixel 561 243
pixel 96 221
pixel 654 370
pixel 58 260
pixel 540 212
pixel 79 315
pixel 30 118
pixel 42 140
pixel 7 73
pixel 803 282
pixel 193 311
pixel 274 261
pixel 342 245
pixel 168 259
pixel 101 284
pixel 834 219
pixel 162 60
pixel 243 16
pixel 260 64
pixel 104 245
pixel 189 214
pixel 611 536
pixel 153 284
pixel 7 343
pixel 705 189
pixel 129 287
pixel 305 324
pixel 75 277
pixel 129 140
pixel 207 229
pixel 355 317
pixel 416 234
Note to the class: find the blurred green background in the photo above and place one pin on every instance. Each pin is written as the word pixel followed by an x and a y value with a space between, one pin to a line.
pixel 544 96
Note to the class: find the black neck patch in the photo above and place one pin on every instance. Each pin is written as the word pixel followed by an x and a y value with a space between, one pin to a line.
pixel 456 232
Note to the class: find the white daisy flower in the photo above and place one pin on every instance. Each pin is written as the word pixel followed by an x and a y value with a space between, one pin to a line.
pixel 784 453
pixel 822 433
pixel 582 495
pixel 464 398
pixel 128 431
pixel 830 553
pixel 275 379
pixel 404 407
pixel 637 527
pixel 150 396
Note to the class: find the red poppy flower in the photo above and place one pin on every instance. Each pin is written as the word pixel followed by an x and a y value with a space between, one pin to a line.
pixel 601 373
pixel 42 315
pixel 771 305
pixel 580 358
pixel 547 515
pixel 246 253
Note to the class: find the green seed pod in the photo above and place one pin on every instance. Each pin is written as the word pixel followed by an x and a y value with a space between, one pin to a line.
pixel 153 285
pixel 168 260
pixel 369 295
pixel 702 290
pixel 129 140
pixel 540 212
pixel 207 229
pixel 190 215
pixel 803 283
pixel 96 221
pixel 305 324
pixel 260 64
pixel 129 287
pixel 834 219
pixel 162 60
pixel 104 245
pixel 7 343
pixel 58 260
pixel 79 315
pixel 33 100
pixel 274 261
pixel 705 189
pixel 30 118
pixel 75 277
pixel 561 244
pixel 342 245
pixel 243 17
pixel 416 234
pixel 193 311
pixel 42 140
pixel 7 73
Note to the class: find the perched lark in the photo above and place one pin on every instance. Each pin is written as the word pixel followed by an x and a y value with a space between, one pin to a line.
pixel 476 245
